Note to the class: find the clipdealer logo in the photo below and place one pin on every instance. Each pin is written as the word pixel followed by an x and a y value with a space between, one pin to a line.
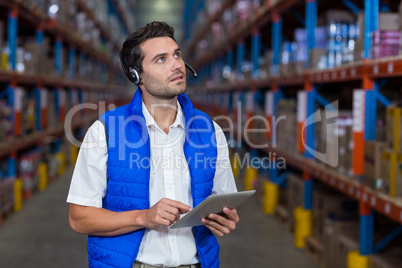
pixel 331 113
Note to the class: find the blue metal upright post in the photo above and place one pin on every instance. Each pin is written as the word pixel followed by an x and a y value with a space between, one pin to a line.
pixel 38 113
pixel 12 42
pixel 276 43
pixel 229 59
pixel 72 62
pixel 311 23
pixel 371 8
pixel 255 51
pixel 83 66
pixel 370 114
pixel 12 167
pixel 240 58
pixel 39 38
pixel 59 56
pixel 12 36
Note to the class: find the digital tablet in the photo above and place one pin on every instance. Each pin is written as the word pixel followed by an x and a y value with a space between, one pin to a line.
pixel 212 205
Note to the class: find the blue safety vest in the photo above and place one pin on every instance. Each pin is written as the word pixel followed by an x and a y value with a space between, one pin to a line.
pixel 128 183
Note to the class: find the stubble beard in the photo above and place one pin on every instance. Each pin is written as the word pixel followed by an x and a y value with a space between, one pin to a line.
pixel 162 91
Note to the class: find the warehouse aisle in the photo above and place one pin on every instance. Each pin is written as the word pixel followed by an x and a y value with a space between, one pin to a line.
pixel 39 236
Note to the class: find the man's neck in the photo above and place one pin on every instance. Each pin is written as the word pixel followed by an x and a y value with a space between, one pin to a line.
pixel 163 111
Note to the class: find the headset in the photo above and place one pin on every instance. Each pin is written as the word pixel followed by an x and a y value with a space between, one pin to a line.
pixel 134 76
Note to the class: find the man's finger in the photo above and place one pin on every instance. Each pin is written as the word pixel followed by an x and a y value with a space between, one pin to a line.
pixel 183 208
pixel 232 214
pixel 163 221
pixel 227 223
pixel 210 227
pixel 172 210
pixel 170 217
pixel 218 226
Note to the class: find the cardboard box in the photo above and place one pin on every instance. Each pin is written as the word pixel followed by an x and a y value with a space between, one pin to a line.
pixel 32 57
pixel 336 16
pixel 393 125
pixel 388 259
pixel 331 208
pixel 372 162
pixel 389 162
pixel 316 54
pixel 299 67
pixel 398 179
pixel 295 194
pixel 329 247
pixel 359 46
pixel 259 187
pixel 338 239
pixel 343 245
pixel 388 21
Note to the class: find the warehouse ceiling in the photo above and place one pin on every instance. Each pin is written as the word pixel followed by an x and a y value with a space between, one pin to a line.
pixel 169 11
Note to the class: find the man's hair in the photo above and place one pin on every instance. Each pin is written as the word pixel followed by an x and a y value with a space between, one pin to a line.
pixel 131 51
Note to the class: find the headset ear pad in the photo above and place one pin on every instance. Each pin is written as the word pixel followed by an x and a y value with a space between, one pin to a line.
pixel 136 76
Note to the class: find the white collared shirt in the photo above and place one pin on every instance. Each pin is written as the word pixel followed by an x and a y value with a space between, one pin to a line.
pixel 170 178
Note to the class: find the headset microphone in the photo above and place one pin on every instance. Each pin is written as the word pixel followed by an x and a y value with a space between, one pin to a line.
pixel 134 76
pixel 192 70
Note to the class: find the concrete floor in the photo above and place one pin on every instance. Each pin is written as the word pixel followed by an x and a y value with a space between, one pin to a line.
pixel 39 236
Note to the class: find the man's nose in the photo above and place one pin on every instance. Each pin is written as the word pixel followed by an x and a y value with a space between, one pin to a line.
pixel 177 64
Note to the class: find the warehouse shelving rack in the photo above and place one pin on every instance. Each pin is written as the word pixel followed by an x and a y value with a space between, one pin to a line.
pixel 366 71
pixel 20 10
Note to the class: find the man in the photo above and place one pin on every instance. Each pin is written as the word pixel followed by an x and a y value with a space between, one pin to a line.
pixel 126 192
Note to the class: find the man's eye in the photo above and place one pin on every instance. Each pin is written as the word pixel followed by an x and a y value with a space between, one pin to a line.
pixel 177 55
pixel 160 60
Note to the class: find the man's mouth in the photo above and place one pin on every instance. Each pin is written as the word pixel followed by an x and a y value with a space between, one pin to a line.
pixel 177 78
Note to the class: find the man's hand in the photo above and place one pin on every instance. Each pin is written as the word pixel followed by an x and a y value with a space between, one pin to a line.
pixel 222 225
pixel 165 212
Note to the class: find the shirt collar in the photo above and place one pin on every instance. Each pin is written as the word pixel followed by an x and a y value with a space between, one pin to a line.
pixel 150 121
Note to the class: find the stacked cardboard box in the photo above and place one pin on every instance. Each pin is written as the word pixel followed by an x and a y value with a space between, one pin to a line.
pixel 329 207
pixel 28 171
pixel 393 128
pixel 345 136
pixel 385 40
pixel 6 195
pixel 6 122
pixel 318 58
pixel 389 259
pixel 390 182
pixel 259 187
pixel 334 140
pixel 295 194
pixel 52 119
pixel 339 239
pixel 341 33
pixel 287 125
pixel 372 163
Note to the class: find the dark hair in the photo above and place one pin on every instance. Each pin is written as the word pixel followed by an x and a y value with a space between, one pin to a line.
pixel 132 54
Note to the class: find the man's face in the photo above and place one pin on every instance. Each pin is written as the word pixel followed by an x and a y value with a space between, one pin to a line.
pixel 164 73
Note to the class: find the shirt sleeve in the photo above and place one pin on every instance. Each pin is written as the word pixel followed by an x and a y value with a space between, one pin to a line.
pixel 224 180
pixel 89 181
